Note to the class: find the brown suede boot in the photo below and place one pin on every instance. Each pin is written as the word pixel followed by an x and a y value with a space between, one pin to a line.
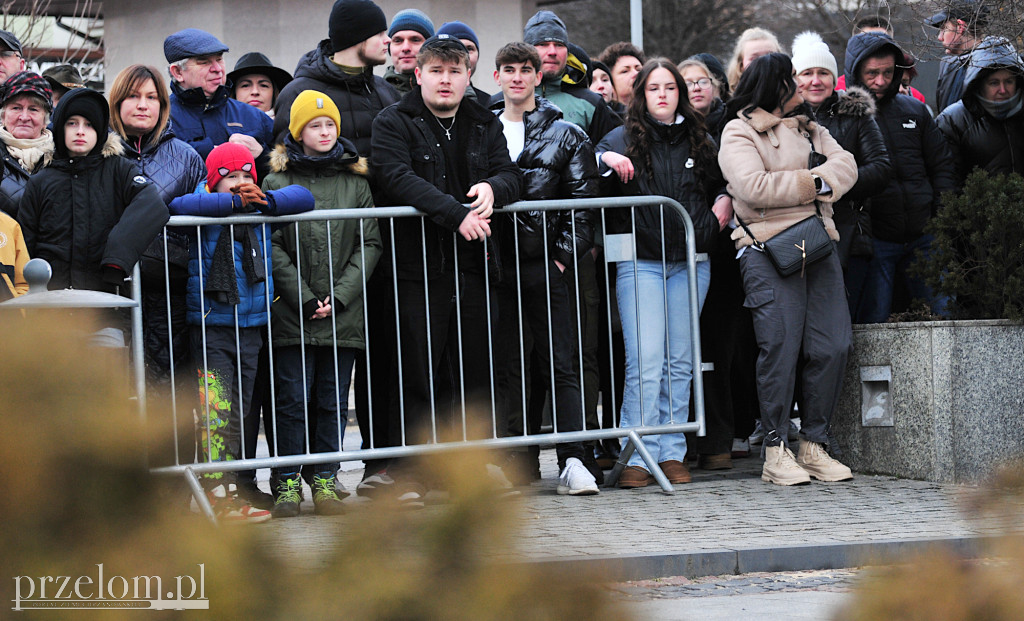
pixel 635 476
pixel 675 471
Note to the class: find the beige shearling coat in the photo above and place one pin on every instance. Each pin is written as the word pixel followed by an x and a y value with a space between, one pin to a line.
pixel 764 160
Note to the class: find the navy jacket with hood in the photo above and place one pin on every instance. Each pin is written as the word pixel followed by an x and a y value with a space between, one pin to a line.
pixel 976 137
pixel 922 164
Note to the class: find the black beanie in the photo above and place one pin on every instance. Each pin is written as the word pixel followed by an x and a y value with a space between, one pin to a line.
pixel 354 21
pixel 86 103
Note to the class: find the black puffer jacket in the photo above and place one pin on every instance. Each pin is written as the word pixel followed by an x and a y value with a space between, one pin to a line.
pixel 359 97
pixel 14 179
pixel 81 214
pixel 171 165
pixel 409 164
pixel 674 177
pixel 557 162
pixel 922 164
pixel 175 169
pixel 850 117
pixel 976 137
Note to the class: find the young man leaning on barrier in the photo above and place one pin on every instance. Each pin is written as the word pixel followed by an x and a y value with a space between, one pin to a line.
pixel 557 160
pixel 435 150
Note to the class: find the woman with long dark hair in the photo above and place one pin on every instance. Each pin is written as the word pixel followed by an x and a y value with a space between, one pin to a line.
pixel 663 149
pixel 783 168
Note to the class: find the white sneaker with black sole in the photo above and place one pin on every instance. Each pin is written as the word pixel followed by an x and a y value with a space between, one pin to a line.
pixel 576 480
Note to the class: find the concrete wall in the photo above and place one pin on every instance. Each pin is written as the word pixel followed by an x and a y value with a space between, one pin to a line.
pixel 956 397
pixel 286 29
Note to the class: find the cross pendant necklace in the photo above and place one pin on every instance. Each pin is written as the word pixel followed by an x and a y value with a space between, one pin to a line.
pixel 447 130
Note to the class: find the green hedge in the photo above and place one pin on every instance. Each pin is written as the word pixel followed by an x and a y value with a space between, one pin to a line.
pixel 978 253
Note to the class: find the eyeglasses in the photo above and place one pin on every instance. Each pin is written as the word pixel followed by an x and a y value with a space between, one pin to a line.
pixel 703 83
pixel 9 54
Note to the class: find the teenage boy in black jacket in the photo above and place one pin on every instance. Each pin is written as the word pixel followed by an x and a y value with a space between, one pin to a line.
pixel 558 161
pixel 435 150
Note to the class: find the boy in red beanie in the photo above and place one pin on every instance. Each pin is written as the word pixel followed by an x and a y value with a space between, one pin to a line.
pixel 230 288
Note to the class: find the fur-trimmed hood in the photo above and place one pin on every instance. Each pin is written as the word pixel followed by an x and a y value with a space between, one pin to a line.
pixel 855 101
pixel 342 157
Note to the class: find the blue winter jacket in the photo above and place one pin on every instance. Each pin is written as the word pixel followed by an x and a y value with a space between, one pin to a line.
pixel 252 308
pixel 204 124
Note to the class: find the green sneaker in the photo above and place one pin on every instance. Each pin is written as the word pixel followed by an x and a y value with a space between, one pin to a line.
pixel 325 497
pixel 288 496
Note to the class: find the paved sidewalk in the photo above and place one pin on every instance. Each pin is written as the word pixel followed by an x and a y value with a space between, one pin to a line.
pixel 723 522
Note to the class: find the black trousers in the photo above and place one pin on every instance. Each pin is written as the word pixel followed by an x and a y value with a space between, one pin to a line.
pixel 445 360
pixel 542 289
pixel 727 340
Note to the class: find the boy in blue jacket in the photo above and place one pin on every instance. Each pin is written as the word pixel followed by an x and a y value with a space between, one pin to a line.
pixel 230 286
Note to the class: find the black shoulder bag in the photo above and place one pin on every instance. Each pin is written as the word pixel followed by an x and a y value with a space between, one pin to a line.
pixel 802 244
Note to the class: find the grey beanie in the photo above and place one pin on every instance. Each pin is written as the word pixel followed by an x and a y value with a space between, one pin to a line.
pixel 545 26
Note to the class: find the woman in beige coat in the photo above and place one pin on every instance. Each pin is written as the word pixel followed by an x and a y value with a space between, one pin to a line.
pixel 776 179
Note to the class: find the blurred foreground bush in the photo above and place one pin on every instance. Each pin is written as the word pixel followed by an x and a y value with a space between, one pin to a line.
pixel 77 494
pixel 941 586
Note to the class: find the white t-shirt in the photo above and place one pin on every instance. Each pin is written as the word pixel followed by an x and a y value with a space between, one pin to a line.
pixel 515 136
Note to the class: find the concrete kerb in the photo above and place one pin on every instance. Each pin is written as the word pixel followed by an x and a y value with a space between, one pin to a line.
pixel 726 561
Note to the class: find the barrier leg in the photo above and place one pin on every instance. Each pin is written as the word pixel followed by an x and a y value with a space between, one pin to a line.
pixel 200 495
pixel 612 478
pixel 634 443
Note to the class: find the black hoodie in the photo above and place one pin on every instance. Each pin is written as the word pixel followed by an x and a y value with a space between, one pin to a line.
pixel 923 166
pixel 91 217
pixel 359 97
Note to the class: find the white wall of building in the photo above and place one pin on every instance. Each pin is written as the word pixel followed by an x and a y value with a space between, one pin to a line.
pixel 286 29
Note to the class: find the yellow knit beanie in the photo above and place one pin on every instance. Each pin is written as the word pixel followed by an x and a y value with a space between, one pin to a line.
pixel 308 106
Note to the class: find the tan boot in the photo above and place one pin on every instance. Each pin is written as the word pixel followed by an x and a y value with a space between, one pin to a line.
pixel 781 468
pixel 813 458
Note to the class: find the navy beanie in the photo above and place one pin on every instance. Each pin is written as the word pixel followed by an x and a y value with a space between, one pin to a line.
pixel 191 42
pixel 354 21
pixel 459 30
pixel 545 26
pixel 412 19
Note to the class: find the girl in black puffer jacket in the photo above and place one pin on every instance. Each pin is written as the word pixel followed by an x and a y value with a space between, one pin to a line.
pixel 663 149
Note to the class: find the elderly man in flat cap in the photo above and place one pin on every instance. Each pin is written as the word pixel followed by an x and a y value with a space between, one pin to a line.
pixel 203 113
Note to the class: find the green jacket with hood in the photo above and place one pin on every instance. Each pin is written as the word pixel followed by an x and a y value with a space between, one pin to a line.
pixel 338 181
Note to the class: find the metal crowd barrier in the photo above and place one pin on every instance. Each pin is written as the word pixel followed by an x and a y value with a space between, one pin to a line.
pixel 186 404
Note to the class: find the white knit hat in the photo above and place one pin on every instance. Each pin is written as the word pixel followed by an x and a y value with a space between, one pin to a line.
pixel 810 51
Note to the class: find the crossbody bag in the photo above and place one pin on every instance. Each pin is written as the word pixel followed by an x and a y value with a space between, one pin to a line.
pixel 802 244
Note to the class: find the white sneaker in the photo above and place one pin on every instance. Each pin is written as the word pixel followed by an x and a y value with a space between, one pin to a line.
pixel 500 483
pixel 576 480
pixel 757 437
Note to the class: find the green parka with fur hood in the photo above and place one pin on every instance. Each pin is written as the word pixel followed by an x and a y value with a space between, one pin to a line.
pixel 338 181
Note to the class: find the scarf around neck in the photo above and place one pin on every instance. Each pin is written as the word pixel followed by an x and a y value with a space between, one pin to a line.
pixel 29 151
pixel 1002 110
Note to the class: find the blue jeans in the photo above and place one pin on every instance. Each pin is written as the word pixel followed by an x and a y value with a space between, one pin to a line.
pixel 890 262
pixel 657 386
pixel 320 395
